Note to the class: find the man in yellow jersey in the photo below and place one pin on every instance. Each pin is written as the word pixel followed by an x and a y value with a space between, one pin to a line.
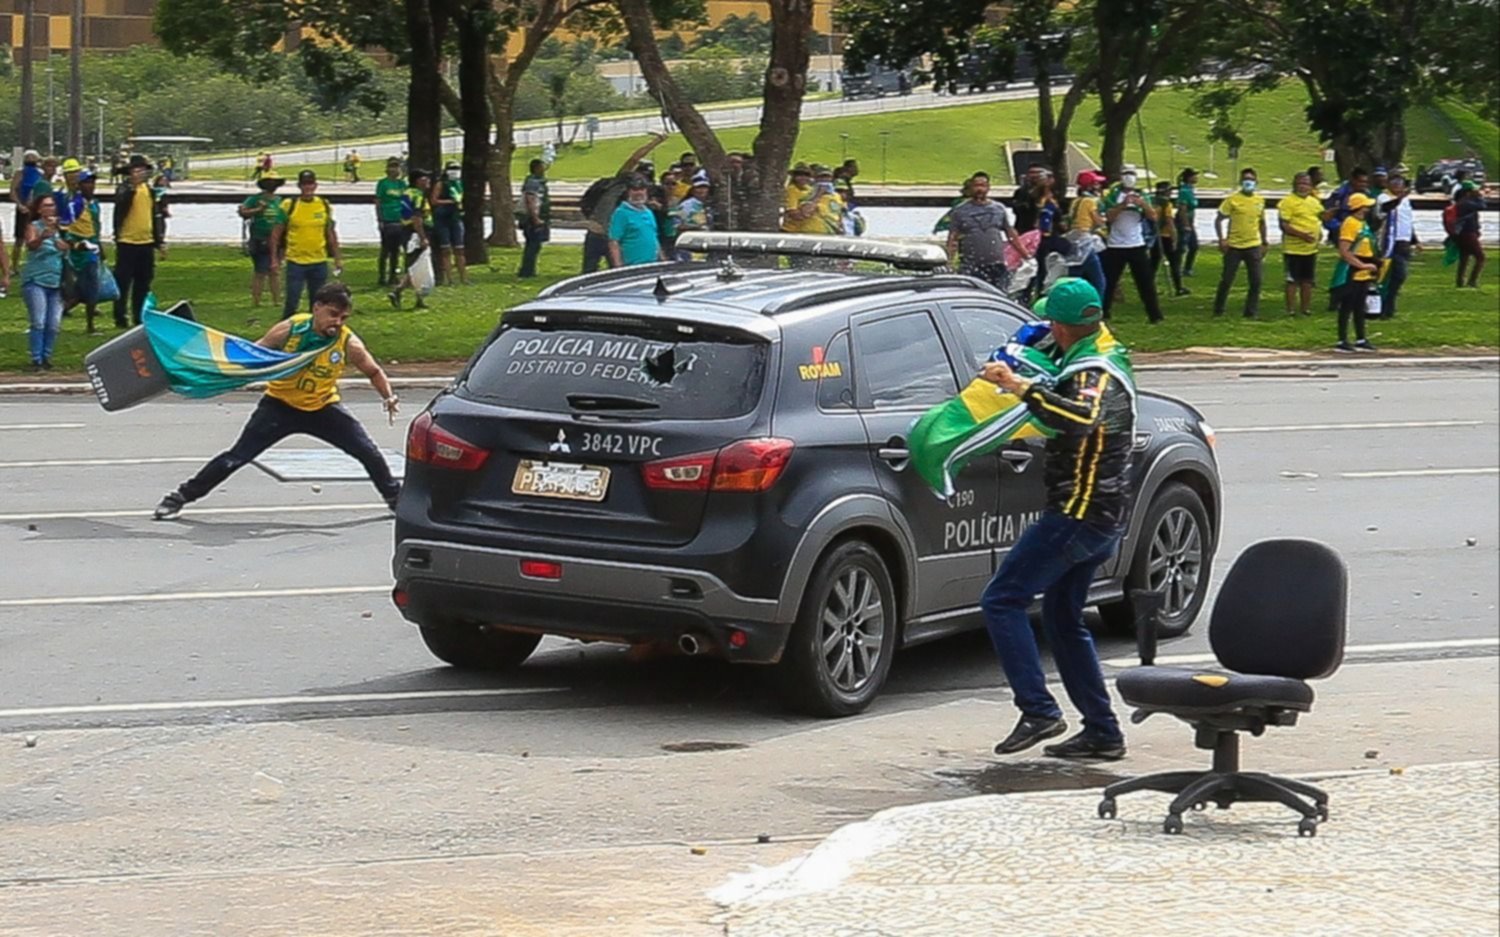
pixel 1087 474
pixel 800 203
pixel 1301 215
pixel 305 239
pixel 1244 243
pixel 139 234
pixel 305 402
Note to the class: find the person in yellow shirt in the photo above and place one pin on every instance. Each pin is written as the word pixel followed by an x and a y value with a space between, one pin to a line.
pixel 306 402
pixel 1301 215
pixel 140 232
pixel 1356 274
pixel 1244 243
pixel 799 213
pixel 305 238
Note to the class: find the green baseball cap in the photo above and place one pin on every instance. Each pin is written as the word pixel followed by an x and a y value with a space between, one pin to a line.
pixel 1071 301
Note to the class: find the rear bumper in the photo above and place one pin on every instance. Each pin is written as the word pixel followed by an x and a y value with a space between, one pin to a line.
pixel 593 600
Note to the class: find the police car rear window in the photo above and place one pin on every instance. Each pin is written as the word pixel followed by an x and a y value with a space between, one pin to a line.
pixel 624 368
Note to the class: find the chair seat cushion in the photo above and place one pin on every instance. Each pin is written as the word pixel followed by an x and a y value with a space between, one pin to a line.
pixel 1173 688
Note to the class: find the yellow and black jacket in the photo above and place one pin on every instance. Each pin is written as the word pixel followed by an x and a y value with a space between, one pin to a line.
pixel 1087 469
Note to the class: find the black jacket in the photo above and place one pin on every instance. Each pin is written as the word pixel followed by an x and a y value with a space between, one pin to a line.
pixel 124 194
pixel 1088 462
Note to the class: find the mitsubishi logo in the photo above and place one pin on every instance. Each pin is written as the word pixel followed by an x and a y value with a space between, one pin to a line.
pixel 561 446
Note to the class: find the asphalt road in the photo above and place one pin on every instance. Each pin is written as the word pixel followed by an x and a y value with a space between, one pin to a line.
pixel 161 610
pixel 162 664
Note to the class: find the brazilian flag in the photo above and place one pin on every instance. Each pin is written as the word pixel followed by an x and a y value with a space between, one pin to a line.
pixel 982 418
pixel 204 362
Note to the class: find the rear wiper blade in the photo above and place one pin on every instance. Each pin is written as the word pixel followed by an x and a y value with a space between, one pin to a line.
pixel 608 402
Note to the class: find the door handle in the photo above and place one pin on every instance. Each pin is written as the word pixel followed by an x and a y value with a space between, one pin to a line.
pixel 895 452
pixel 1017 459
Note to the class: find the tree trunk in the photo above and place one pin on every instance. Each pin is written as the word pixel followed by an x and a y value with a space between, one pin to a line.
pixel 1053 124
pixel 502 199
pixel 641 40
pixel 781 110
pixel 474 104
pixel 424 119
pixel 1116 127
pixel 28 83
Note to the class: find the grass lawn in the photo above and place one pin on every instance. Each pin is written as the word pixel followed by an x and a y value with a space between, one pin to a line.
pixel 941 145
pixel 1433 315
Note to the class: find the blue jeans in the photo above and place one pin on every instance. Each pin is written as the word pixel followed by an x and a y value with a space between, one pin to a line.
pixel 1091 270
pixel 299 277
pixel 44 308
pixel 536 236
pixel 1057 557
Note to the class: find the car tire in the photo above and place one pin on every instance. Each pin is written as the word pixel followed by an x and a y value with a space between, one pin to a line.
pixel 849 604
pixel 478 647
pixel 1176 539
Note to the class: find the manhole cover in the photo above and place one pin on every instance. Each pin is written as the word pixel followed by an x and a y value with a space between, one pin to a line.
pixel 702 746
pixel 1031 776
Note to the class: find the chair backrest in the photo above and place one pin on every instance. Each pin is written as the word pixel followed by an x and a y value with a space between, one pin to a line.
pixel 1282 611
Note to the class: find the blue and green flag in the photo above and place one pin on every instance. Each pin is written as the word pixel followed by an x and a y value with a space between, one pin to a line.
pixel 982 418
pixel 204 362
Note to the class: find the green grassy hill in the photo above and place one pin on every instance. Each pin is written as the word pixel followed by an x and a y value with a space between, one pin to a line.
pixel 943 145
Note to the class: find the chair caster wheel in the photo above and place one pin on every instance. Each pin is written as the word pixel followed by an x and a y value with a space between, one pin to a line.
pixel 1308 827
pixel 1107 808
pixel 1172 825
pixel 1322 813
pixel 1200 806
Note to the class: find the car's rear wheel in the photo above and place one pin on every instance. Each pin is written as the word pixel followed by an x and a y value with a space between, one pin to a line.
pixel 839 652
pixel 1173 556
pixel 469 646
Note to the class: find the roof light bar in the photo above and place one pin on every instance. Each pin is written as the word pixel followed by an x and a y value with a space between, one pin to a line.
pixel 906 255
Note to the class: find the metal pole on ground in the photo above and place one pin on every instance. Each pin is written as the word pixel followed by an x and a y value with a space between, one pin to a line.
pixel 28 81
pixel 76 132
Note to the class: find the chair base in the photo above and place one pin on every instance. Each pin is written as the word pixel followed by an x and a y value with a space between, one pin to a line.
pixel 1224 786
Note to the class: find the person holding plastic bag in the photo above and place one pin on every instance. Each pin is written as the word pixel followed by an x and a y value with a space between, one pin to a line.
pixel 85 257
pixel 416 215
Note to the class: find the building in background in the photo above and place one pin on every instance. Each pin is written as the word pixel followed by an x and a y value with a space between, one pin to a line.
pixel 108 25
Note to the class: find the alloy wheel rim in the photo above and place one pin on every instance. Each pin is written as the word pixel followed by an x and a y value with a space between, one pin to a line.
pixel 1175 561
pixel 851 632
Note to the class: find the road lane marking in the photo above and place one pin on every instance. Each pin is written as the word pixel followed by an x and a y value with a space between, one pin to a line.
pixel 42 425
pixel 313 699
pixel 194 596
pixel 1325 427
pixel 146 512
pixel 1421 473
pixel 77 463
pixel 1169 660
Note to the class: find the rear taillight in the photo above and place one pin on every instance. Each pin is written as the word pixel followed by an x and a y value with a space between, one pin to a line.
pixel 680 473
pixel 747 465
pixel 427 442
pixel 541 569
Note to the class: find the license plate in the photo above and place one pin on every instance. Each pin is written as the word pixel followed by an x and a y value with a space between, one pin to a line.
pixel 560 480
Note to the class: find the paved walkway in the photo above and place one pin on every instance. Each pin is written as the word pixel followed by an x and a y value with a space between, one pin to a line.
pixel 1404 853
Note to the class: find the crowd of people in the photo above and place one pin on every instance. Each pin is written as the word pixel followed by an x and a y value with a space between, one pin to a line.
pixel 57 246
pixel 1107 228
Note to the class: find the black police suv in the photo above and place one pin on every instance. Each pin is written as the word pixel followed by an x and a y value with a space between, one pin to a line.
pixel 712 457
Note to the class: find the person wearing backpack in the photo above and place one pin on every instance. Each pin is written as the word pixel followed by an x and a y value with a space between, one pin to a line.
pixel 262 213
pixel 304 241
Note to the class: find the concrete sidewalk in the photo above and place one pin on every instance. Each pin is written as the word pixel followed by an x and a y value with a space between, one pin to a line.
pixel 1409 852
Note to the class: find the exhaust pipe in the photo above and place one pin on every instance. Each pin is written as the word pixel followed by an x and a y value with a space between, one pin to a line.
pixel 689 644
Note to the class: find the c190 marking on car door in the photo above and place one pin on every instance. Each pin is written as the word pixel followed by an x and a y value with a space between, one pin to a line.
pixel 621 444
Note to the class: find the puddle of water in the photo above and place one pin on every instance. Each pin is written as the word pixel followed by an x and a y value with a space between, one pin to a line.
pixel 703 746
pixel 1022 776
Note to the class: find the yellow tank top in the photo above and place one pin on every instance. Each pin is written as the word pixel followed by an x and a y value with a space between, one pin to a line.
pixel 317 385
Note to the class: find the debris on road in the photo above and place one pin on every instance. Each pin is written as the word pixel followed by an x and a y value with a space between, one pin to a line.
pixel 763 838
pixel 1468 541
pixel 366 614
pixel 31 741
pixel 265 789
pixel 1372 754
pixel 699 851
pixel 1291 474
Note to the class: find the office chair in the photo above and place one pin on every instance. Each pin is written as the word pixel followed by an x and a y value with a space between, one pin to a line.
pixel 1279 620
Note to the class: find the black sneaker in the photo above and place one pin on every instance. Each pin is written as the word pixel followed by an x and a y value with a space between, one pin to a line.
pixel 170 507
pixel 46 364
pixel 395 298
pixel 1085 745
pixel 1028 732
pixel 1184 291
pixel 1363 345
pixel 1344 348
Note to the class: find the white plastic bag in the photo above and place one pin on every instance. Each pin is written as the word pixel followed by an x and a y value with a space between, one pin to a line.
pixel 1373 306
pixel 422 278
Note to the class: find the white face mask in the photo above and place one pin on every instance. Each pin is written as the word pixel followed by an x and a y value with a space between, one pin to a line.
pixel 1128 180
pixel 454 173
pixel 1247 185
